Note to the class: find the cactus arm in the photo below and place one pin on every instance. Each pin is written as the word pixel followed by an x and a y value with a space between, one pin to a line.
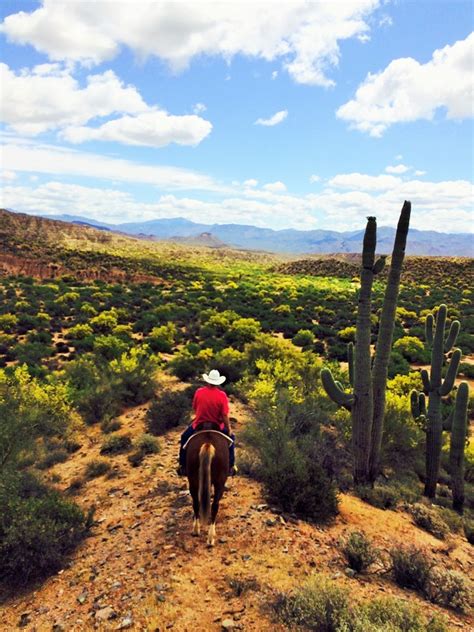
pixel 379 265
pixel 456 452
pixel 425 378
pixel 350 362
pixel 448 421
pixel 429 329
pixel 453 334
pixel 422 404
pixel 451 373
pixel 437 354
pixel 385 338
pixel 334 390
pixel 414 404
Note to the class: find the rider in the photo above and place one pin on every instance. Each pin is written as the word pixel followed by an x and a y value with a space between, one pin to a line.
pixel 210 404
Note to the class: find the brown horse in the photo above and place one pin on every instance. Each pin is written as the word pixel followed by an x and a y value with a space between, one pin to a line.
pixel 207 464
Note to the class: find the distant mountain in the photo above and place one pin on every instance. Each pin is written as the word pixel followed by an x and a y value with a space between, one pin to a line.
pixel 290 241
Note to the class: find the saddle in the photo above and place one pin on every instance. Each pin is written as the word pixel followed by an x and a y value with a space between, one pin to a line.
pixel 199 432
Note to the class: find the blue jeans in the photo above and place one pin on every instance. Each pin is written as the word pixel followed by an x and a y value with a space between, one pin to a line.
pixel 189 433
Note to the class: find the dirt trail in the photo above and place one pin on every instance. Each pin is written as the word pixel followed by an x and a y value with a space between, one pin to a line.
pixel 142 570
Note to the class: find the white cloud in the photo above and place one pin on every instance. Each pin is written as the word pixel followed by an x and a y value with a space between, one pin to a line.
pixel 419 172
pixel 399 157
pixel 153 129
pixel 278 117
pixel 274 74
pixel 364 182
pixel 250 183
pixel 48 97
pixel 199 108
pixel 397 168
pixel 436 205
pixel 22 155
pixel 305 36
pixel 408 91
pixel 8 175
pixel 314 178
pixel 275 187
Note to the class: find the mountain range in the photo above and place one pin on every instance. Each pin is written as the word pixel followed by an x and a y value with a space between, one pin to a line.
pixel 290 241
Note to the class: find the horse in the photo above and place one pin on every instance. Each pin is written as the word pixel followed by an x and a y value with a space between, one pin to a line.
pixel 207 464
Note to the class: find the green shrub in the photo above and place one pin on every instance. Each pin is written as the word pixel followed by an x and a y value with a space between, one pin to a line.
pixel 303 338
pixel 358 551
pixel 469 530
pixel 383 497
pixel 52 458
pixel 411 348
pixel 110 425
pixel 161 339
pixel 429 520
pixel 168 409
pixel 450 589
pixel 76 484
pixel 145 444
pixel 411 567
pixel 389 614
pixel 116 444
pixel 319 605
pixel 96 468
pixel 38 529
pixel 135 374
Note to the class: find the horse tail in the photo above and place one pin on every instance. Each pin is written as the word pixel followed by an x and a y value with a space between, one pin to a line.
pixel 206 454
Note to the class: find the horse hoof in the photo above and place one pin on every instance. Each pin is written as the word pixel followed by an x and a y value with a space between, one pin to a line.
pixel 210 544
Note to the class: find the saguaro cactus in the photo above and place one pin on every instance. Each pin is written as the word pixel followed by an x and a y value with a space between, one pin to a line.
pixel 435 387
pixel 366 402
pixel 459 430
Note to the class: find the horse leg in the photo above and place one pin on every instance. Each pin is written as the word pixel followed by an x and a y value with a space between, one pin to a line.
pixel 195 496
pixel 211 536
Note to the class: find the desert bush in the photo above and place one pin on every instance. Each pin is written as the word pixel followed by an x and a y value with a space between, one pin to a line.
pixel 411 567
pixel 96 468
pixel 469 530
pixel 145 444
pixel 135 373
pixel 389 614
pixel 110 425
pixel 109 347
pixel 449 589
pixel 303 338
pixel 319 605
pixel 76 484
pixel 383 497
pixel 38 528
pixel 411 348
pixel 168 409
pixel 161 339
pixel 52 458
pixel 116 444
pixel 358 551
pixel 429 520
pixel 231 363
pixel 290 467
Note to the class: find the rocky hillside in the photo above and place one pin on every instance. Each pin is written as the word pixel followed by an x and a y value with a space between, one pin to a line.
pixel 141 569
pixel 428 270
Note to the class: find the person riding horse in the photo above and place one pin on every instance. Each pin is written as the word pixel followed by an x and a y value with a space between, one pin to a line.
pixel 210 405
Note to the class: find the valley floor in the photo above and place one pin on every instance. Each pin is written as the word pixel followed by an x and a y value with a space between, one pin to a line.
pixel 141 569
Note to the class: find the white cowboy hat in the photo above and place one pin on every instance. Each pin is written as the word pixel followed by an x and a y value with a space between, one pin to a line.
pixel 214 377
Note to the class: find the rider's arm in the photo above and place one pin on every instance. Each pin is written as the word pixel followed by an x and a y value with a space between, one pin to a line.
pixel 226 422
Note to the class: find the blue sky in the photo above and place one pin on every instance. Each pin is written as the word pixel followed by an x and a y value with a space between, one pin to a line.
pixel 289 114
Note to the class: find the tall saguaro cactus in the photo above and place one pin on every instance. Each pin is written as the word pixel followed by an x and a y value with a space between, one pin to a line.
pixel 367 402
pixel 435 387
pixel 459 431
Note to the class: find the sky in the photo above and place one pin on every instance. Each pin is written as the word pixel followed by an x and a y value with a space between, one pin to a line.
pixel 289 114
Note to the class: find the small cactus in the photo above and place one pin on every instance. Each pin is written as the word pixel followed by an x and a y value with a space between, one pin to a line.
pixel 436 388
pixel 458 441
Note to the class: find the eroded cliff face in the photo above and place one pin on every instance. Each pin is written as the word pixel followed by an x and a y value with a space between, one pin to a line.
pixel 27 266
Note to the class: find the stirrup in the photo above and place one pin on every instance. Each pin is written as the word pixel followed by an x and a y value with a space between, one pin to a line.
pixel 233 470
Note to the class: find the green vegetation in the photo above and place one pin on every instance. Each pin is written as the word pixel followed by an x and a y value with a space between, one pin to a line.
pixel 358 551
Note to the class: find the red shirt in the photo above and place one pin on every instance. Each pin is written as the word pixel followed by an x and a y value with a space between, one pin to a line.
pixel 210 404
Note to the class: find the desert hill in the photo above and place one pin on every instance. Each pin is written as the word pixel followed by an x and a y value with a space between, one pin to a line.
pixel 141 569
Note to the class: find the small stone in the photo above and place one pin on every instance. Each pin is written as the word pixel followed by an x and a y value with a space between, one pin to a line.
pixel 125 623
pixel 57 627
pixel 24 620
pixel 106 614
pixel 350 572
pixel 270 522
pixel 246 557
pixel 82 598
pixel 228 624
